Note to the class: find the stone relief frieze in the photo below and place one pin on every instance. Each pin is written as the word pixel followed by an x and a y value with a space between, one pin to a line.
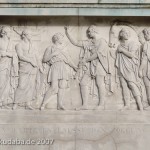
pixel 112 73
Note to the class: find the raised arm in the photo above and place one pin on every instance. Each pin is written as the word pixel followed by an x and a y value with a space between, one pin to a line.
pixel 71 39
pixel 16 31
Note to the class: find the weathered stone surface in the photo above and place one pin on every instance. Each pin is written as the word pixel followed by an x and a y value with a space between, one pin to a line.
pixel 74 83
pixel 87 130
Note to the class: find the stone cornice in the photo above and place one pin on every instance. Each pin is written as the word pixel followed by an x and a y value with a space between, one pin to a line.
pixel 75 7
pixel 75 1
pixel 49 5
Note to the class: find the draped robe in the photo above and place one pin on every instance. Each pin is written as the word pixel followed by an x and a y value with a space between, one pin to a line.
pixel 128 67
pixel 28 78
pixel 8 74
pixel 146 53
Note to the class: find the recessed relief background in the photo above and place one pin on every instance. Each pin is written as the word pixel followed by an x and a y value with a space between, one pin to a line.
pixel 74 63
pixel 79 82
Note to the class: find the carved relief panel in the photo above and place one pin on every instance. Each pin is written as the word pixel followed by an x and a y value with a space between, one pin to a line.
pixel 104 62
pixel 80 71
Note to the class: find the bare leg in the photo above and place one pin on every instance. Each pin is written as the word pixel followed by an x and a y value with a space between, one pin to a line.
pixel 139 102
pixel 101 91
pixel 85 91
pixel 147 87
pixel 62 88
pixel 60 99
pixel 148 97
pixel 51 92
pixel 85 95
pixel 125 93
pixel 148 93
pixel 137 94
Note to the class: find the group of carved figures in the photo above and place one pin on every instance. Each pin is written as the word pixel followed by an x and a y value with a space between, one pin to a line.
pixel 20 69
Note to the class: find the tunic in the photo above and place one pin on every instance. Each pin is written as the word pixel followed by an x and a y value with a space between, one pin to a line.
pixel 59 64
